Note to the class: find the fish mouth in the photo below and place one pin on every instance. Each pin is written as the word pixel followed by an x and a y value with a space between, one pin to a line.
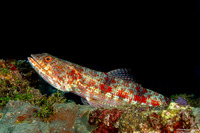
pixel 32 58
pixel 37 66
pixel 34 62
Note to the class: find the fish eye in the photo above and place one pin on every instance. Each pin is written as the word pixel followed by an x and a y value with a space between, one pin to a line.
pixel 48 59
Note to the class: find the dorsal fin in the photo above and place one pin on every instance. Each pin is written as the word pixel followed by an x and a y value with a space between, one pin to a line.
pixel 124 74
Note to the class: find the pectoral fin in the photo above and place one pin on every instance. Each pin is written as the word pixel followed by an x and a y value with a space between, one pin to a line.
pixel 84 101
pixel 93 102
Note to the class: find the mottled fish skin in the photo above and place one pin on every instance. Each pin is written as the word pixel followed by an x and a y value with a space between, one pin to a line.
pixel 98 88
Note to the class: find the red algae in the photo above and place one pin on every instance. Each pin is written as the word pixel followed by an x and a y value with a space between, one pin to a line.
pixel 106 119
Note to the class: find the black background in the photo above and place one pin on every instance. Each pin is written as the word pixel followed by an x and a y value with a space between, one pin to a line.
pixel 158 40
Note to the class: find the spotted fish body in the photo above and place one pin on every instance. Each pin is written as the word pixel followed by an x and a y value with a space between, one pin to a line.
pixel 98 88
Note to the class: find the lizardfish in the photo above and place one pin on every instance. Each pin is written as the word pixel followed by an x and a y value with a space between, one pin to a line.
pixel 100 89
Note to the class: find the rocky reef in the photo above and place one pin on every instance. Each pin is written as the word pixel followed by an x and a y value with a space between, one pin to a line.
pixel 23 108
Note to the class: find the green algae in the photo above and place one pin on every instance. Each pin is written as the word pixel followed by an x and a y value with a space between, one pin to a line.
pixel 15 85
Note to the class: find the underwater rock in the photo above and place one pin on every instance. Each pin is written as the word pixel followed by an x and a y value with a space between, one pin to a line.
pixel 81 125
pixel 176 118
pixel 64 118
pixel 135 118
pixel 18 117
pixel 196 112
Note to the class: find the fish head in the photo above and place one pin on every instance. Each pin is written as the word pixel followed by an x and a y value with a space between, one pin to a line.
pixel 51 69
